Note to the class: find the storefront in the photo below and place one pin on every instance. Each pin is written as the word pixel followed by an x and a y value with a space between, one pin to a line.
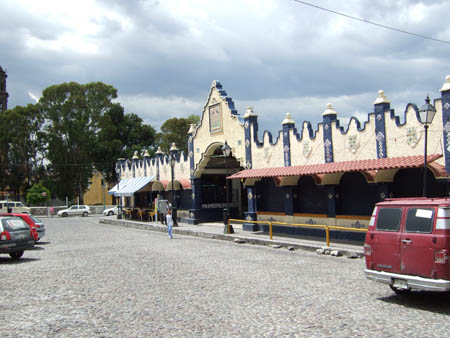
pixel 333 174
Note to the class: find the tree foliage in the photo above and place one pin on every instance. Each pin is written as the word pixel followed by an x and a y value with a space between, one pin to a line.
pixel 21 148
pixel 38 195
pixel 175 130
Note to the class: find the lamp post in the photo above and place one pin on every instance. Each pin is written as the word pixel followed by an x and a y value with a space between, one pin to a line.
pixel 226 151
pixel 426 113
pixel 172 162
pixel 119 210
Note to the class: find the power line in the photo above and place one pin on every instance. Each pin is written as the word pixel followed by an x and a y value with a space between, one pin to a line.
pixel 370 22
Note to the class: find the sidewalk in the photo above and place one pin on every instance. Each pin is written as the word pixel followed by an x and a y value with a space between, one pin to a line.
pixel 216 231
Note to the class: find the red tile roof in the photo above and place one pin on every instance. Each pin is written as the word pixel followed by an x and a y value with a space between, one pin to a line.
pixel 337 167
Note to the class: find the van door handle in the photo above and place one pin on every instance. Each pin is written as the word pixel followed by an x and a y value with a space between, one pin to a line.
pixel 407 241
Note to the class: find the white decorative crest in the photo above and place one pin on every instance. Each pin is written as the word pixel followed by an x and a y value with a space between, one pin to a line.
pixel 353 143
pixel 267 154
pixel 306 149
pixel 411 136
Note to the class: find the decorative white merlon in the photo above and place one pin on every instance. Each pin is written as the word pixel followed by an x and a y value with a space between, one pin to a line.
pixel 329 110
pixel 249 112
pixel 288 119
pixel 146 154
pixel 159 151
pixel 446 85
pixel 173 147
pixel 135 155
pixel 381 98
pixel 192 128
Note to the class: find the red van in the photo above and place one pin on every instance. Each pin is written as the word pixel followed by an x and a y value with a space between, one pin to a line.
pixel 407 245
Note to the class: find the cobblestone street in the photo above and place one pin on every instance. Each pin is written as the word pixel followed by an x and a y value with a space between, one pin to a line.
pixel 97 280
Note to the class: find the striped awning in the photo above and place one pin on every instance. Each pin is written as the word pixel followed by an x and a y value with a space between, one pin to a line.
pixel 128 186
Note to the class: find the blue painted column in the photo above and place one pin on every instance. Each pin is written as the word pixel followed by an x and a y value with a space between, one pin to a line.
pixel 134 162
pixel 383 191
pixel 331 198
pixel 381 105
pixel 288 200
pixel 288 125
pixel 174 153
pixel 250 122
pixel 329 116
pixel 159 156
pixel 196 184
pixel 195 212
pixel 146 162
pixel 445 95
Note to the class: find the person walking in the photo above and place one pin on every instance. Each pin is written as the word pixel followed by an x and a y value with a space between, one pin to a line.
pixel 169 222
pixel 52 210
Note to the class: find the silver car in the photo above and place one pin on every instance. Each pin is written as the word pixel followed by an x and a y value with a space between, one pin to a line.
pixel 15 236
pixel 75 210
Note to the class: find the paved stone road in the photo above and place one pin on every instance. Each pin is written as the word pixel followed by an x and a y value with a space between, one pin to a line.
pixel 97 280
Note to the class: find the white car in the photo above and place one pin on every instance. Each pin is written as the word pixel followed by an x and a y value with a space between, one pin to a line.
pixel 111 211
pixel 81 210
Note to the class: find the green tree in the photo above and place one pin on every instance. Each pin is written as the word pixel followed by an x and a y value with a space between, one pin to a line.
pixel 38 195
pixel 175 130
pixel 120 135
pixel 73 115
pixel 21 148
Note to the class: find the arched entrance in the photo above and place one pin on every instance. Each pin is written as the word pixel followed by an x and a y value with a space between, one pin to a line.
pixel 216 191
pixel 409 183
pixel 311 198
pixel 356 196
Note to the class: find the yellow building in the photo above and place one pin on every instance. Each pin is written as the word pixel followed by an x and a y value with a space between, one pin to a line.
pixel 96 193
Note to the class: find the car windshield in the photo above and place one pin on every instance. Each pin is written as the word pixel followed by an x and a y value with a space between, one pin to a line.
pixel 35 219
pixel 13 224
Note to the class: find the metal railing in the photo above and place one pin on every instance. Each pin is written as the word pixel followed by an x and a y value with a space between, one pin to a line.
pixel 325 227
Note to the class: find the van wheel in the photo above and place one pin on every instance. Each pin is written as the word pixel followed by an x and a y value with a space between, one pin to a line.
pixel 16 255
pixel 85 214
pixel 400 291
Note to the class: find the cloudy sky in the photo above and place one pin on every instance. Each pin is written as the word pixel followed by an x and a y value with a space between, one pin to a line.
pixel 278 56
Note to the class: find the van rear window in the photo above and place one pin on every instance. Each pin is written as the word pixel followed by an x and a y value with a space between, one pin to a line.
pixel 420 220
pixel 389 219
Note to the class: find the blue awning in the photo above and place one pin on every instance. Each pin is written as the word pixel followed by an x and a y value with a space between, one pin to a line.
pixel 128 186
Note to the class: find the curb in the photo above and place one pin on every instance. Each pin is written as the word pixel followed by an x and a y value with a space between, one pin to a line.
pixel 231 237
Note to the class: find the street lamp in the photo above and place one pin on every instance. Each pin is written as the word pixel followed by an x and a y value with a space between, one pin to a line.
pixel 226 151
pixel 119 210
pixel 172 162
pixel 426 113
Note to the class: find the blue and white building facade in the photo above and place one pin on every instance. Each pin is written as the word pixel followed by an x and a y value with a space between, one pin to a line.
pixel 328 174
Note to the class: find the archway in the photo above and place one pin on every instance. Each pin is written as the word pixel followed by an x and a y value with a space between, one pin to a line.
pixel 356 196
pixel 311 198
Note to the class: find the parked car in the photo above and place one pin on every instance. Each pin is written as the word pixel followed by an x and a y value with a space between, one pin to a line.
pixel 407 245
pixel 80 210
pixel 35 223
pixel 111 211
pixel 15 236
pixel 13 206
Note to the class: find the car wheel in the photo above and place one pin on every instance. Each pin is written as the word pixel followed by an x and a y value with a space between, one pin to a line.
pixel 16 255
pixel 85 214
pixel 400 291
pixel 64 214
pixel 110 213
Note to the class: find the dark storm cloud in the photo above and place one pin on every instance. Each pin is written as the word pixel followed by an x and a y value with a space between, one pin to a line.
pixel 279 56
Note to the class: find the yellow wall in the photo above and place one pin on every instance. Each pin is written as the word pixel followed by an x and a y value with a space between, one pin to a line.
pixel 95 193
